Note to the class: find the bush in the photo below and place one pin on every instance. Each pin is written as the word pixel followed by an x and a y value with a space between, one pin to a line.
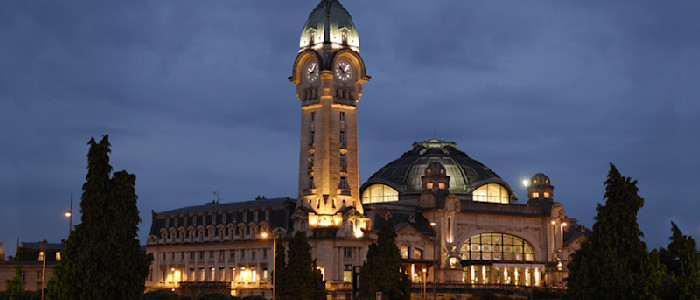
pixel 214 296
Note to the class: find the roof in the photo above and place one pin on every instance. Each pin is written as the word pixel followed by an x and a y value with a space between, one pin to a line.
pixel 274 211
pixel 329 23
pixel 404 174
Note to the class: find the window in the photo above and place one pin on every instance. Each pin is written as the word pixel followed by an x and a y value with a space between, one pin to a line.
pixel 347 273
pixel 417 253
pixel 202 274
pixel 58 256
pixel 343 185
pixel 163 257
pixel 211 254
pixel 546 194
pixel 201 254
pixel 429 186
pixel 311 183
pixel 348 252
pixel 342 137
pixel 441 185
pixel 222 274
pixel 252 252
pixel 242 253
pixel 497 246
pixel 313 133
pixel 342 116
pixel 343 160
pixel 378 192
pixel 222 255
pixel 313 116
pixel 232 254
pixel 192 255
pixel 404 252
pixel 264 253
pixel 41 256
pixel 535 195
pixel 264 274
pixel 491 193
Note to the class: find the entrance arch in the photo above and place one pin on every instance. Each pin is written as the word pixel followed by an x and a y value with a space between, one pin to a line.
pixel 500 258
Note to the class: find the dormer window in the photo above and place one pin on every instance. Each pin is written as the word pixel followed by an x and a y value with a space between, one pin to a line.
pixel 535 195
pixel 429 185
pixel 546 194
pixel 441 185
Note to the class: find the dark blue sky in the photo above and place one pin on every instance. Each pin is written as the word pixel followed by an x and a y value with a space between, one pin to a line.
pixel 195 98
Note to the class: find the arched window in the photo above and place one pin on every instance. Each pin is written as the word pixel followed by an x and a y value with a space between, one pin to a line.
pixel 379 193
pixel 497 246
pixel 491 193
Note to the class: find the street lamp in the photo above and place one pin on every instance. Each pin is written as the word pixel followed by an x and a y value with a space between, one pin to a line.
pixel 435 253
pixel 69 215
pixel 264 235
pixel 424 278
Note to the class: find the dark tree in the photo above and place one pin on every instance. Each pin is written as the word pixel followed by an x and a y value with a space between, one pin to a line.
pixel 382 271
pixel 102 258
pixel 14 286
pixel 300 279
pixel 280 271
pixel 614 263
pixel 682 262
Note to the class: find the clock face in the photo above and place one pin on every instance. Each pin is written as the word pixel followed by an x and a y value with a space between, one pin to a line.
pixel 311 71
pixel 343 70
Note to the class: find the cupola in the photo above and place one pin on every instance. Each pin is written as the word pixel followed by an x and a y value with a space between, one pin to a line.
pixel 329 26
pixel 539 188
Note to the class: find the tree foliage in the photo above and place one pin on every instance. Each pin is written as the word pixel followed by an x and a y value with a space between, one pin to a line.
pixel 14 286
pixel 102 258
pixel 298 278
pixel 382 271
pixel 614 263
pixel 682 262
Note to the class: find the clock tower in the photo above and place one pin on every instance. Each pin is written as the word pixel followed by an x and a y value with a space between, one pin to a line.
pixel 329 73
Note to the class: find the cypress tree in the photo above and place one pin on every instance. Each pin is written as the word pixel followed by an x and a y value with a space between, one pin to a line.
pixel 614 263
pixel 682 262
pixel 382 271
pixel 102 258
pixel 300 278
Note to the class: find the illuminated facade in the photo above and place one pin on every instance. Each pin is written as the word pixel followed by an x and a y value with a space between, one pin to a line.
pixel 459 225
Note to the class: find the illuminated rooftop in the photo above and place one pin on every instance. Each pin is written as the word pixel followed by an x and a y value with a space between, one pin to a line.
pixel 329 25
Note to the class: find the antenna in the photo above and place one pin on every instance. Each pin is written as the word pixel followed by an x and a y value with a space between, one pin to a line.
pixel 218 198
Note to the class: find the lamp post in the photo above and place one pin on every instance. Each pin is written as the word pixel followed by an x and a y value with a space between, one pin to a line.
pixel 424 278
pixel 42 256
pixel 69 215
pixel 435 254
pixel 560 250
pixel 264 235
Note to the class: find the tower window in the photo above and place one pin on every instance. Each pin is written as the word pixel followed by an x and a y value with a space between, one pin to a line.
pixel 311 182
pixel 535 195
pixel 313 133
pixel 313 116
pixel 429 186
pixel 342 137
pixel 546 194
pixel 342 116
pixel 343 183
pixel 343 160
pixel 441 185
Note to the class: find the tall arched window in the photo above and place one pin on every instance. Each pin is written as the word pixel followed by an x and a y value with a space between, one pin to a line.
pixel 379 193
pixel 491 193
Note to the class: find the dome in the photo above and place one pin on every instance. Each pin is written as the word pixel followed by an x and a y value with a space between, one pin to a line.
pixel 329 24
pixel 405 173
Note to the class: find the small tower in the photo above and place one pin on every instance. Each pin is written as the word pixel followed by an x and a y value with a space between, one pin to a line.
pixel 328 74
pixel 540 189
pixel 435 179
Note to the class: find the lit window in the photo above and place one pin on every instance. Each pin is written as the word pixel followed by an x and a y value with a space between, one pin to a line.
pixel 492 193
pixel 429 186
pixel 546 194
pixel 404 252
pixel 417 253
pixel 441 185
pixel 497 246
pixel 41 256
pixel 378 192
pixel 58 255
pixel 535 195
pixel 347 273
